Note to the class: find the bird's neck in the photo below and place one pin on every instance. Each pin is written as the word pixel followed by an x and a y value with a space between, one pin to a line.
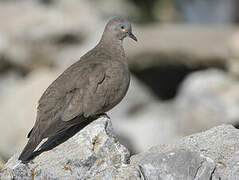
pixel 111 46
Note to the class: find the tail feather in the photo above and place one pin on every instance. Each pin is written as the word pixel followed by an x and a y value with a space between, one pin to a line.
pixel 56 140
pixel 74 126
pixel 33 142
pixel 59 138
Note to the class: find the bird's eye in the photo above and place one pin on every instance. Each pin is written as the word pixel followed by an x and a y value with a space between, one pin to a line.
pixel 122 27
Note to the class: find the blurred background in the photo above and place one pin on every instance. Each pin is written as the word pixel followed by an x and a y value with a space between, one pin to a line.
pixel 185 70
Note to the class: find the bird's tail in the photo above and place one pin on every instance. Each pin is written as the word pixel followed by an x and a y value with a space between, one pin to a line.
pixel 60 138
pixel 74 126
pixel 27 152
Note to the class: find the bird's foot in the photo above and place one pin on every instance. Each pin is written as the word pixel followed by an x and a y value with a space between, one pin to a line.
pixel 104 114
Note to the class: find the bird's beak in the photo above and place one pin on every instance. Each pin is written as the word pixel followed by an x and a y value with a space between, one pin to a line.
pixel 132 36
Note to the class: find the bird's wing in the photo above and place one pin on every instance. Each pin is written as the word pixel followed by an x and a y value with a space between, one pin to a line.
pixel 76 99
pixel 64 98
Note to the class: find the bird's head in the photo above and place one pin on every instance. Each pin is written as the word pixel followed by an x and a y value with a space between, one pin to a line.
pixel 120 29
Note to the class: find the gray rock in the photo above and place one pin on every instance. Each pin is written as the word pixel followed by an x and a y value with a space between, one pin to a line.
pixel 206 99
pixel 176 164
pixel 93 153
pixel 211 155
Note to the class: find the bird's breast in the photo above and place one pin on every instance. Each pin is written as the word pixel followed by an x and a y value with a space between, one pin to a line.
pixel 117 79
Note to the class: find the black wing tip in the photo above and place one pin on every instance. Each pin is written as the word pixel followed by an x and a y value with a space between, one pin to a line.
pixel 23 160
pixel 27 159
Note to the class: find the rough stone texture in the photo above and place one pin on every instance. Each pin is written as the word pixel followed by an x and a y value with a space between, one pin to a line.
pixel 210 155
pixel 93 153
pixel 206 99
pixel 176 164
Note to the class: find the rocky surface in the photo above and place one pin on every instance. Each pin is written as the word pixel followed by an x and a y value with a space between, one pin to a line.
pixel 212 155
pixel 206 99
pixel 176 164
pixel 95 153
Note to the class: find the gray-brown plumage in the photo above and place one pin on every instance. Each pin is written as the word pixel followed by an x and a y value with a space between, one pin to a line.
pixel 88 88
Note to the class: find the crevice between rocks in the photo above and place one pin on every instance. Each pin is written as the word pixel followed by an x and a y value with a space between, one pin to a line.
pixel 199 167
pixel 141 171
pixel 212 173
